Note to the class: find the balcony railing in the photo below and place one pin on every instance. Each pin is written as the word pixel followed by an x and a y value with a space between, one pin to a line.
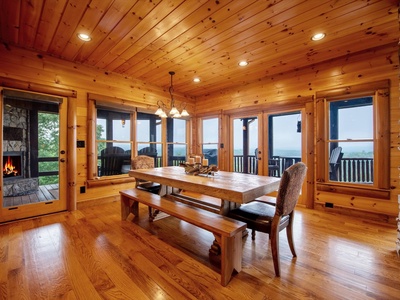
pixel 357 170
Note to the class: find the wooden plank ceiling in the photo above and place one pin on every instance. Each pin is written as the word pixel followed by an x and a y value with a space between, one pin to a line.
pixel 145 39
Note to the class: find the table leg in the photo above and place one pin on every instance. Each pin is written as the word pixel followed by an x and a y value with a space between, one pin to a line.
pixel 164 190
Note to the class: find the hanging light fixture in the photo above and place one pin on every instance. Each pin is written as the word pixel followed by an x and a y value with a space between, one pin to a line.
pixel 174 112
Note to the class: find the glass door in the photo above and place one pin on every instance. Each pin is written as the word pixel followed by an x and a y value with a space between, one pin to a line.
pixel 245 145
pixel 34 154
pixel 284 141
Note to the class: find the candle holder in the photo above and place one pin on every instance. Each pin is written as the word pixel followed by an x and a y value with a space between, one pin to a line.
pixel 198 169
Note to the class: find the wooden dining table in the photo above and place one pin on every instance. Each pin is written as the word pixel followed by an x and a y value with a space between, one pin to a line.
pixel 231 188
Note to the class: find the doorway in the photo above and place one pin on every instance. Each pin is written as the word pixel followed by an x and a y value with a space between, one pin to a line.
pixel 33 154
pixel 245 144
pixel 284 141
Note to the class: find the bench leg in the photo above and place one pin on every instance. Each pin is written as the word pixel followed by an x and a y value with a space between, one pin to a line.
pixel 231 257
pixel 128 206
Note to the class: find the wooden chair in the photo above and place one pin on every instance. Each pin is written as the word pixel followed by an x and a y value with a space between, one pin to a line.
pixel 273 166
pixel 149 151
pixel 145 162
pixel 269 218
pixel 334 163
pixel 111 159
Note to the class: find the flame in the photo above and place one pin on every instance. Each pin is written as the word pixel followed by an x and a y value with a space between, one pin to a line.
pixel 9 169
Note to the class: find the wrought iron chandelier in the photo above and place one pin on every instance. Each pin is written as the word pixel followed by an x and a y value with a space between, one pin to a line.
pixel 174 112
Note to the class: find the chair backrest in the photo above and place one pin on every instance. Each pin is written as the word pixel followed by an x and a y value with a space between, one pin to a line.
pixel 335 155
pixel 111 160
pixel 142 162
pixel 149 151
pixel 290 188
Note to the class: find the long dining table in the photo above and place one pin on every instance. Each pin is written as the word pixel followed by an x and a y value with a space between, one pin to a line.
pixel 232 188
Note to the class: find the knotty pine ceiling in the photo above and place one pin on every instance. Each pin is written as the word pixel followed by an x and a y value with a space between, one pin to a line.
pixel 145 39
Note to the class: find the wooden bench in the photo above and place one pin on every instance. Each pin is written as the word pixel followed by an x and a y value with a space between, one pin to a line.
pixel 227 232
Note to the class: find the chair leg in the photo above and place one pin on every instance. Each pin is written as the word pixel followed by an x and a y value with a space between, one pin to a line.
pixel 274 237
pixel 253 234
pixel 289 233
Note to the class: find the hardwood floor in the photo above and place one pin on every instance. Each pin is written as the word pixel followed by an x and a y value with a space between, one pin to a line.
pixel 92 254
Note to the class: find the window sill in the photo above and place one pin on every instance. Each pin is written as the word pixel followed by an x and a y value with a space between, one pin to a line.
pixel 109 180
pixel 369 192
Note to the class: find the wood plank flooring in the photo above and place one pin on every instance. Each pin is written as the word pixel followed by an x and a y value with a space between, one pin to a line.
pixel 92 254
pixel 44 193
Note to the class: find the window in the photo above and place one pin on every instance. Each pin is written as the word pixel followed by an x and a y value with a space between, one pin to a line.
pixel 284 141
pixel 245 145
pixel 149 137
pixel 351 129
pixel 209 145
pixel 110 139
pixel 118 131
pixel 113 142
pixel 353 139
pixel 176 141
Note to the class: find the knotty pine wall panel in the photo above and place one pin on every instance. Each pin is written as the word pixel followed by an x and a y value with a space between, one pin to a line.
pixel 374 65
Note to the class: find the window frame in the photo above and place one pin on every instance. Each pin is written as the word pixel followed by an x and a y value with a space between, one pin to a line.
pixel 379 91
pixel 98 101
pixel 95 102
pixel 201 137
pixel 168 144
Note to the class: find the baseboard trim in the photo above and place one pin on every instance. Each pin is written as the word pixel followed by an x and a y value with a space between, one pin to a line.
pixel 375 217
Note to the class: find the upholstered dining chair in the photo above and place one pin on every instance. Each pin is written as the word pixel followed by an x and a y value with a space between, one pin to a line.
pixel 145 162
pixel 270 218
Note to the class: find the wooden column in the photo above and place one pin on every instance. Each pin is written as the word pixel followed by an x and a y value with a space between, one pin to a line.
pixel 71 155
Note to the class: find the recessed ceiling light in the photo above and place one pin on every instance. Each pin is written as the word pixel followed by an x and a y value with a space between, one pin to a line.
pixel 318 36
pixel 84 37
pixel 196 79
pixel 243 63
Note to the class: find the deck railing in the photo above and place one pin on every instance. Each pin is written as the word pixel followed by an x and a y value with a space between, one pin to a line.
pixel 359 170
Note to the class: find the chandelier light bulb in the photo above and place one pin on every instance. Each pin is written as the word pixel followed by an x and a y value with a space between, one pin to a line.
pixel 184 113
pixel 174 111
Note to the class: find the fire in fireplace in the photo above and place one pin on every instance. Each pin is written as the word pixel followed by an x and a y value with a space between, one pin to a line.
pixel 12 164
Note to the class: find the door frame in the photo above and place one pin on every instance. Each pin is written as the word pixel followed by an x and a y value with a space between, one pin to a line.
pixel 232 117
pixel 304 140
pixel 67 177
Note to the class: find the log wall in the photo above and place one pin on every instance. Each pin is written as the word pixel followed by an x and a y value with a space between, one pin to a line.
pixel 370 66
pixel 377 64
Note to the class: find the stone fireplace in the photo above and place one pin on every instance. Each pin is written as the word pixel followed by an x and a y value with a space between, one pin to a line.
pixel 16 162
